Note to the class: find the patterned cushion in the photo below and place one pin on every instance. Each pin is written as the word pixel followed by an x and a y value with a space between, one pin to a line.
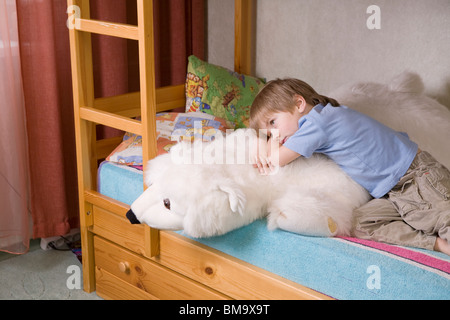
pixel 220 92
pixel 170 128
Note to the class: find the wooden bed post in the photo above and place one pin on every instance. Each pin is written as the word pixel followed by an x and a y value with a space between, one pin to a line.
pixel 83 95
pixel 243 28
pixel 148 98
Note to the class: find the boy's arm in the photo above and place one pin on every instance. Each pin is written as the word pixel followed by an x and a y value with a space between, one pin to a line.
pixel 274 156
pixel 284 156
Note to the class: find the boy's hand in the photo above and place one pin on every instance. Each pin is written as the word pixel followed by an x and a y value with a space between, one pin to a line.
pixel 263 157
pixel 269 156
pixel 264 165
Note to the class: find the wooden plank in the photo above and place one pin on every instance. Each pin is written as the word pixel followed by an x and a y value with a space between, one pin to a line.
pixel 106 146
pixel 106 203
pixel 148 94
pixel 148 275
pixel 129 104
pixel 85 137
pixel 110 287
pixel 225 273
pixel 119 230
pixel 147 78
pixel 107 28
pixel 243 28
pixel 111 120
pixel 150 237
pixel 170 97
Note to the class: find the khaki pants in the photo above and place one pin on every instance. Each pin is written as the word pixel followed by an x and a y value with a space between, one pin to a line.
pixel 414 212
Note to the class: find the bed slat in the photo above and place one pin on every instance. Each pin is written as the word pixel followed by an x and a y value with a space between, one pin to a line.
pixel 170 97
pixel 129 104
pixel 106 146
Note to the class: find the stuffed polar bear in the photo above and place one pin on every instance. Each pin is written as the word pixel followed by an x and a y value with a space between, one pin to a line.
pixel 309 196
pixel 211 188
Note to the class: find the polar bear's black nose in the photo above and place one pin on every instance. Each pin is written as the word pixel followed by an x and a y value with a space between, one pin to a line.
pixel 132 217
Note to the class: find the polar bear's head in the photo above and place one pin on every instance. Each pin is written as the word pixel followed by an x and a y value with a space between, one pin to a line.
pixel 205 199
pixel 191 197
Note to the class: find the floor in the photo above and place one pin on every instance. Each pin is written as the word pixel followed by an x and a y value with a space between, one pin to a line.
pixel 42 275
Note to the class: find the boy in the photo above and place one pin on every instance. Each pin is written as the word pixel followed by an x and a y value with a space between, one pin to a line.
pixel 411 189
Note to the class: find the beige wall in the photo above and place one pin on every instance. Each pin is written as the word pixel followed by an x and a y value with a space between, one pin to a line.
pixel 327 42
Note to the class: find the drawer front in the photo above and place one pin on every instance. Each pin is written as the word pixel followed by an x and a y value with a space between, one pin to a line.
pixel 109 221
pixel 147 275
pixel 111 287
pixel 119 230
pixel 225 273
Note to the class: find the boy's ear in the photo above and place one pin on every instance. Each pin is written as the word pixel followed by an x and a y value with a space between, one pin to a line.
pixel 300 103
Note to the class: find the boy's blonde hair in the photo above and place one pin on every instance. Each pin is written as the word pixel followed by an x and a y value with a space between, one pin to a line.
pixel 279 96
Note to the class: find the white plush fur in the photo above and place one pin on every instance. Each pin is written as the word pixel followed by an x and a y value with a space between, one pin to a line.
pixel 402 105
pixel 212 199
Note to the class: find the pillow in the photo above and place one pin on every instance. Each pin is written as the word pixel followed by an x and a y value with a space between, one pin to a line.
pixel 186 126
pixel 220 92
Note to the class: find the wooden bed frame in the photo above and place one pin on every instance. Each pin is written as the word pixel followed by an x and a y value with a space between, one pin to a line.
pixel 124 261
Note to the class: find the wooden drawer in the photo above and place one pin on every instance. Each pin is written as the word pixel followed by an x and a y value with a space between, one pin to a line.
pixel 119 230
pixel 108 220
pixel 111 287
pixel 155 280
pixel 225 273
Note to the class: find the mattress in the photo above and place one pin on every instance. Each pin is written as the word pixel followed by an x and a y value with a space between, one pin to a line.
pixel 342 268
pixel 121 182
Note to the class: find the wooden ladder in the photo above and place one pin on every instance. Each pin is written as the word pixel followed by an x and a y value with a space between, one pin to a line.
pixel 116 112
pixel 120 111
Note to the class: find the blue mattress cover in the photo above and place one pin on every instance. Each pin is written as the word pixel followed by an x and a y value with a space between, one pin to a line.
pixel 340 268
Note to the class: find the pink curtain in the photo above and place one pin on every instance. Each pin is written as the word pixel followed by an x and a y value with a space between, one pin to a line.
pixel 45 60
pixel 15 219
pixel 47 87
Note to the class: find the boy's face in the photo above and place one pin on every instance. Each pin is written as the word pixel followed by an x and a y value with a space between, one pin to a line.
pixel 285 122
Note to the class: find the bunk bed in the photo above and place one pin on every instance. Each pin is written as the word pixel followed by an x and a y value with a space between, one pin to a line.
pixel 125 261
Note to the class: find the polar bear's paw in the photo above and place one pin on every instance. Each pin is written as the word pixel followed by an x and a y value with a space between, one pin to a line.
pixel 301 222
pixel 332 226
pixel 273 217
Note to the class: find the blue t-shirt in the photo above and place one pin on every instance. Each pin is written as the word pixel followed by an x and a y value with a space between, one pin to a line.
pixel 372 154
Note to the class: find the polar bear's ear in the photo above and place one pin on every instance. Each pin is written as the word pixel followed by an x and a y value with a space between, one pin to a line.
pixel 156 168
pixel 236 198
pixel 407 82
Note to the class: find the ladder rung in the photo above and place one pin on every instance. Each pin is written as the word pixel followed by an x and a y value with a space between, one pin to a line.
pixel 120 30
pixel 111 120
